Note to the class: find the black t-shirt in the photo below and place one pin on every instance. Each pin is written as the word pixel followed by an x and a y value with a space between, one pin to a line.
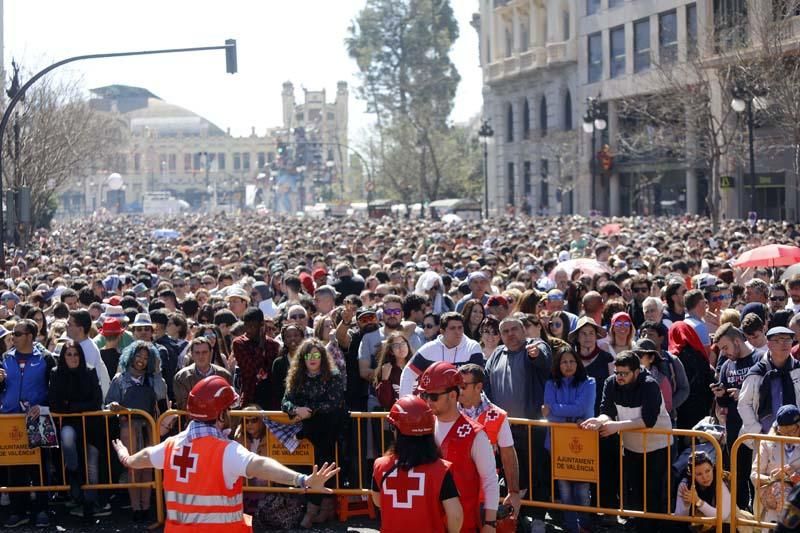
pixel 447 491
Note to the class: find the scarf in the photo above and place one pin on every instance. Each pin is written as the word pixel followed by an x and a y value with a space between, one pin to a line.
pixel 681 335
pixel 198 429
pixel 765 408
pixel 475 412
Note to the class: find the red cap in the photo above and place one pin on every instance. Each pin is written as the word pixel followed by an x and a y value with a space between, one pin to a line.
pixel 440 376
pixel 111 326
pixel 210 397
pixel 114 300
pixel 412 416
pixel 319 273
pixel 497 300
pixel 307 282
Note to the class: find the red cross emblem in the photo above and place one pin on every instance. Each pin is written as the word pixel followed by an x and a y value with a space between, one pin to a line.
pixel 403 490
pixel 184 464
pixel 426 380
pixel 492 414
pixel 463 430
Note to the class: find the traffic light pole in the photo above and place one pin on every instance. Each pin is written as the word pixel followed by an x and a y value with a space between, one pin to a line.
pixel 230 60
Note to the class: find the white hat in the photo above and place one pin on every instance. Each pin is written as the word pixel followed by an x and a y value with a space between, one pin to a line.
pixel 237 292
pixel 142 319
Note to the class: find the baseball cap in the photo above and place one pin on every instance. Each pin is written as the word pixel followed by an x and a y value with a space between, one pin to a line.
pixel 496 300
pixel 787 415
pixel 780 330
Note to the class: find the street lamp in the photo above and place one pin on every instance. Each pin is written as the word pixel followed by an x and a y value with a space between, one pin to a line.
pixel 115 183
pixel 486 133
pixel 745 97
pixel 594 120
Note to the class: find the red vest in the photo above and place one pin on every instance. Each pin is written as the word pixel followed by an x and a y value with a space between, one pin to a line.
pixel 492 420
pixel 410 498
pixel 456 448
pixel 195 492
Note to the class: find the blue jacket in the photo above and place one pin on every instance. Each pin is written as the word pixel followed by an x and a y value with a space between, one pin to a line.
pixel 568 403
pixel 29 384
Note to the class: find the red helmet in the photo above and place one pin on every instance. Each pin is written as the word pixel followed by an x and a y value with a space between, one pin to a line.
pixel 440 376
pixel 506 523
pixel 412 416
pixel 210 397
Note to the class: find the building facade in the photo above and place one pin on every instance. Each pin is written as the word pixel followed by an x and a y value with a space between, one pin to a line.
pixel 171 150
pixel 528 53
pixel 613 54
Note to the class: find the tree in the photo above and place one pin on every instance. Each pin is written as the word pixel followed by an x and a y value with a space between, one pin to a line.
pixel 60 136
pixel 402 50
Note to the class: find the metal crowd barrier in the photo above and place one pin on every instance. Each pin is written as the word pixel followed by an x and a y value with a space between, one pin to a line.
pixel 761 445
pixel 369 438
pixel 14 453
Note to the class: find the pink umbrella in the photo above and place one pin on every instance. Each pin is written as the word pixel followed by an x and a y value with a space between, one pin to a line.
pixel 610 229
pixel 586 266
pixel 771 255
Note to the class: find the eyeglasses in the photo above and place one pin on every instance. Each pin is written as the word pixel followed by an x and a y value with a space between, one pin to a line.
pixel 773 339
pixel 393 312
pixel 313 356
pixel 431 396
pixel 397 344
pixel 209 335
pixel 640 289
pixel 429 326
pixel 19 333
pixel 466 384
pixel 178 285
pixel 489 332
pixel 777 298
pixel 296 317
pixel 622 324
pixel 623 373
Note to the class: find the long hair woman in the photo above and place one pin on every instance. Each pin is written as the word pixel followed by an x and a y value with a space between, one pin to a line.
pixel 686 346
pixel 415 458
pixel 315 397
pixel 697 491
pixel 473 314
pixel 569 397
pixel 393 355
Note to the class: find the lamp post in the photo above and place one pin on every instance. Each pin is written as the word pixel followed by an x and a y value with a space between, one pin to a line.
pixel 745 97
pixel 594 120
pixel 302 189
pixel 115 183
pixel 485 133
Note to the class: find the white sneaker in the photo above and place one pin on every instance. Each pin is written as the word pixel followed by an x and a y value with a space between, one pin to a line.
pixel 538 526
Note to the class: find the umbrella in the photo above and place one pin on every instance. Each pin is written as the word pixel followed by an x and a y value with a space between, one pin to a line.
pixel 165 233
pixel 610 229
pixel 771 255
pixel 791 272
pixel 451 218
pixel 585 265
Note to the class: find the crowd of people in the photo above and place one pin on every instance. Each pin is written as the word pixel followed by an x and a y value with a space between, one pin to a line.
pixel 643 323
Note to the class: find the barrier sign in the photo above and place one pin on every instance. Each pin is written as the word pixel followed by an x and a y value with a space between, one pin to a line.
pixel 14 443
pixel 303 455
pixel 575 454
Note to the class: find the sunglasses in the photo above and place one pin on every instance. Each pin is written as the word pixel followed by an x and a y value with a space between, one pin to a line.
pixel 622 323
pixel 777 298
pixel 431 396
pixel 429 326
pixel 19 333
pixel 313 356
pixel 640 289
pixel 393 312
pixel 623 374
pixel 720 298
pixel 296 317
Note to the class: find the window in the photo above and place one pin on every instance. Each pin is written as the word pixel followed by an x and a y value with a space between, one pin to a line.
pixel 691 30
pixel 509 42
pixel 262 159
pixel 617 57
pixel 221 161
pixel 730 22
pixel 524 37
pixel 199 161
pixel 173 163
pixel 641 45
pixel 509 123
pixel 526 179
pixel 567 112
pixel 592 6
pixel 237 161
pixel 245 160
pixel 187 162
pixel 595 57
pixel 565 24
pixel 615 3
pixel 270 157
pixel 544 198
pixel 510 177
pixel 785 8
pixel 668 36
pixel 137 162
pixel 543 115
pixel 526 120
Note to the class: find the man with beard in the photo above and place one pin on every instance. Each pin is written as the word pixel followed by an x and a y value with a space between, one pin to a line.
pixel 203 469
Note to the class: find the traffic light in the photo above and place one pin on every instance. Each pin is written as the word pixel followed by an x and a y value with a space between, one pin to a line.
pixel 230 56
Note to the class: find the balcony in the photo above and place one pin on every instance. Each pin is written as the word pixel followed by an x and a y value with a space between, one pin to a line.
pixel 563 52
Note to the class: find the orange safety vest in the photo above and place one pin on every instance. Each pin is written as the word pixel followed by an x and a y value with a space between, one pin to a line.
pixel 195 492
pixel 492 420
